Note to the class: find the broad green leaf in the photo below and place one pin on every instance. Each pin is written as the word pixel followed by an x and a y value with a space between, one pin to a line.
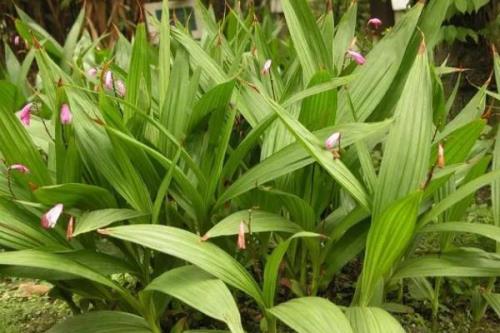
pixel 188 246
pixel 407 149
pixel 485 230
pixel 56 262
pixel 372 320
pixel 375 77
pixel 97 219
pixel 458 195
pixel 15 145
pixel 294 157
pixel 201 291
pixel 318 111
pixel 72 39
pixel 389 235
pixel 255 221
pixel 103 322
pixel 316 149
pixel 463 262
pixel 82 196
pixel 139 74
pixel 312 315
pixel 306 37
pixel 344 36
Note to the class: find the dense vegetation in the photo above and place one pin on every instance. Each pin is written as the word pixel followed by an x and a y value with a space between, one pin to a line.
pixel 226 183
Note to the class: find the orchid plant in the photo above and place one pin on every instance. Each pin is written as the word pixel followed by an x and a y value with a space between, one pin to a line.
pixel 150 182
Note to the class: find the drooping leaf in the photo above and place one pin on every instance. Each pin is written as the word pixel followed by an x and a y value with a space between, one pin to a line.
pixel 312 315
pixel 97 219
pixel 103 322
pixel 202 291
pixel 372 320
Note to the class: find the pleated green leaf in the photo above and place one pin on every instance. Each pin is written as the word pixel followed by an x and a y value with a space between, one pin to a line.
pixel 485 230
pixel 82 196
pixel 344 36
pixel 372 320
pixel 312 315
pixel 462 262
pixel 375 77
pixel 316 149
pixel 96 219
pixel 458 195
pixel 255 220
pixel 306 37
pixel 294 157
pixel 189 247
pixel 103 322
pixel 388 237
pixel 202 291
pixel 406 154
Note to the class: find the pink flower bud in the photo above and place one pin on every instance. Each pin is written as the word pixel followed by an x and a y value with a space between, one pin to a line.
pixel 440 159
pixel 19 167
pixel 66 115
pixel 241 236
pixel 25 114
pixel 332 140
pixel 267 67
pixel 120 88
pixel 17 40
pixel 108 80
pixel 49 219
pixel 357 57
pixel 92 72
pixel 375 22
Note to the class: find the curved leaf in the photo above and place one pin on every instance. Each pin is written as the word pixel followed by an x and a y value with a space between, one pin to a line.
pixel 103 322
pixel 312 315
pixel 188 246
pixel 202 291
pixel 372 320
pixel 255 221
pixel 82 196
pixel 97 219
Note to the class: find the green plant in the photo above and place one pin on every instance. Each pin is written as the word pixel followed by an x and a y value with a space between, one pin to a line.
pixel 170 155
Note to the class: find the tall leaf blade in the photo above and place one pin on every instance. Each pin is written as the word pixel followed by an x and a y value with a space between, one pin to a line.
pixel 406 153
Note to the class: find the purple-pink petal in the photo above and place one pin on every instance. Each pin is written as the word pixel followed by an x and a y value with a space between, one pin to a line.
pixel 25 114
pixel 66 115
pixel 375 22
pixel 49 219
pixel 19 167
pixel 357 57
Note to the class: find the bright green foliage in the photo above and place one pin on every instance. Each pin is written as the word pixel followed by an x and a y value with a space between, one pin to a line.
pixel 202 196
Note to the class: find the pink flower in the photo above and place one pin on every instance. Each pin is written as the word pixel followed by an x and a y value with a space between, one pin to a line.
pixel 108 80
pixel 66 115
pixel 267 67
pixel 358 57
pixel 19 167
pixel 375 22
pixel 50 218
pixel 70 228
pixel 241 236
pixel 332 140
pixel 440 159
pixel 17 40
pixel 92 72
pixel 120 88
pixel 25 114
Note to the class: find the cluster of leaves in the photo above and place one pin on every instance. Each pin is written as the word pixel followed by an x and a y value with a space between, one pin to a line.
pixel 206 146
